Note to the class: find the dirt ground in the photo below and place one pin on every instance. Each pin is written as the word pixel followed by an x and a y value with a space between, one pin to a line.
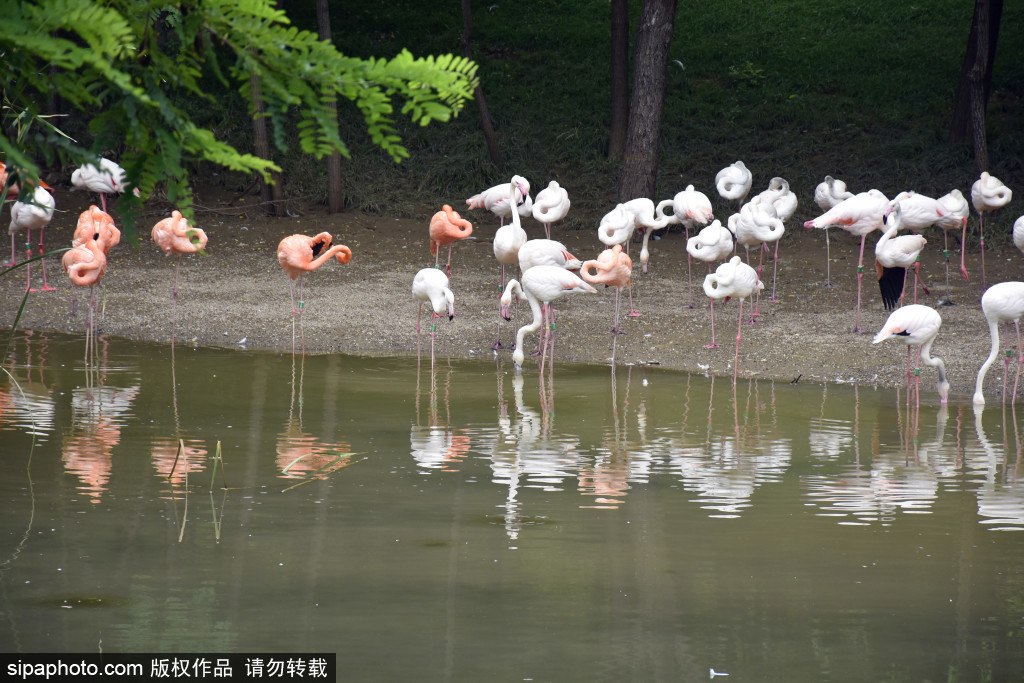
pixel 237 297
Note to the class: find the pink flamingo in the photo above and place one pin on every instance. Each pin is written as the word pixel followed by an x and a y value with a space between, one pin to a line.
pixel 85 265
pixel 34 214
pixel 95 221
pixel 917 325
pixel 300 254
pixel 859 215
pixel 733 279
pixel 987 194
pixel 175 234
pixel 612 268
pixel 447 226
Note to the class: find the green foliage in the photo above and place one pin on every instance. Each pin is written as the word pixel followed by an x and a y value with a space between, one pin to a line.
pixel 135 69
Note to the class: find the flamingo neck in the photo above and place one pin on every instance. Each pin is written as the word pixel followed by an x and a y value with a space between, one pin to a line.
pixel 993 330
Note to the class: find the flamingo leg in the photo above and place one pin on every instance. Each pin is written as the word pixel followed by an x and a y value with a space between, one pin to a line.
pixel 860 278
pixel 501 310
pixel 757 294
pixel 712 345
pixel 945 253
pixel 689 272
pixel 28 267
pixel 917 380
pixel 42 263
pixel 433 330
pixel 419 314
pixel 828 262
pixel 981 233
pixel 448 266
pixel 1020 358
pixel 775 273
pixel 615 327
pixel 739 335
pixel 632 313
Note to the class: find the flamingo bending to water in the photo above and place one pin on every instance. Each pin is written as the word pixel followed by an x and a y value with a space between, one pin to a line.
pixel 430 286
pixel 917 325
pixel 1001 303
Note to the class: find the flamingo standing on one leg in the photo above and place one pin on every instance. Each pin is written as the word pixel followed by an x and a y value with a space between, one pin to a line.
pixel 713 243
pixel 508 240
pixel 106 178
pixel 917 325
pixel 175 234
pixel 617 227
pixel 496 199
pixel 893 255
pixel 540 285
pixel 1001 303
pixel 97 225
pixel 431 286
pixel 733 182
pixel 755 225
pixel 733 279
pixel 859 215
pixel 612 268
pixel 827 194
pixel 551 206
pixel 690 208
pixel 34 214
pixel 301 254
pixel 987 194
pixel 784 201
pixel 446 227
pixel 85 265
pixel 954 216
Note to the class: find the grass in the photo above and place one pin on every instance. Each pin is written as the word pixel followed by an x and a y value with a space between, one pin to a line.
pixel 862 91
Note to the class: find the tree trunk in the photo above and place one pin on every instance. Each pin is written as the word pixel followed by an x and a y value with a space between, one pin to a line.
pixel 620 79
pixel 650 60
pixel 971 103
pixel 272 194
pixel 478 93
pixel 335 194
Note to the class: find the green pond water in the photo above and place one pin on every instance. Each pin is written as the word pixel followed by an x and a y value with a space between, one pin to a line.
pixel 470 523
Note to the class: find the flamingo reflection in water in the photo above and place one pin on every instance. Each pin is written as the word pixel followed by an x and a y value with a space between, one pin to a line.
pixel 436 445
pixel 1001 494
pixel 98 413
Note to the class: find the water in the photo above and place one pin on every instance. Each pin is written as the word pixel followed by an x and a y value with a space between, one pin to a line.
pixel 472 524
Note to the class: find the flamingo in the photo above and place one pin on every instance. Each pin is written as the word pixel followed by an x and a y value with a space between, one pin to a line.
pixel 85 265
pixel 612 268
pixel 540 286
pixel 541 252
pixel 105 178
pixel 690 208
pixel 954 215
pixel 496 199
pixel 175 234
pixel 447 226
pixel 987 194
pixel 12 188
pixel 713 243
pixel 784 201
pixel 1018 234
pixel 551 206
pixel 827 194
pixel 33 214
pixel 95 221
pixel 617 227
pixel 508 240
pixel 431 286
pixel 1001 303
pixel 733 279
pixel 301 254
pixel 646 216
pixel 859 215
pixel 756 224
pixel 893 255
pixel 733 182
pixel 917 325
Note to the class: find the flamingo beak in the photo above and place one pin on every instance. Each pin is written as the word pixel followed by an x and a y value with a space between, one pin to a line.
pixel 505 314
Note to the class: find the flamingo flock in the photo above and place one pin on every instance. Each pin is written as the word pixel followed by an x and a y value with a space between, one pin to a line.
pixel 548 270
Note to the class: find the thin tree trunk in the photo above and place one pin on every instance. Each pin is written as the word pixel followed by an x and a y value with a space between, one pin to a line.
pixel 478 93
pixel 335 193
pixel 271 194
pixel 620 79
pixel 971 103
pixel 650 60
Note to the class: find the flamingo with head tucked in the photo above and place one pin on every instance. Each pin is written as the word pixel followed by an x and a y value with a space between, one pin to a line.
pixel 1001 303
pixel 755 225
pixel 917 325
pixel 859 215
pixel 690 208
pixel 301 254
pixel 733 182
pixel 733 279
pixel 827 194
pixel 552 205
pixel 612 268
pixel 1018 234
pixel 176 235
pixel 987 194
pixel 85 265
pixel 714 243
pixel 784 202
pixel 447 227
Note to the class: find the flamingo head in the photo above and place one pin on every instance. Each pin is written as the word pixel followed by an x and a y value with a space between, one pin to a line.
pixel 344 254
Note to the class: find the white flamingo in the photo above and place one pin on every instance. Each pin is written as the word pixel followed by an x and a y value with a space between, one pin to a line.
pixel 827 194
pixel 1018 234
pixel 508 240
pixel 917 325
pixel 541 252
pixel 551 206
pixel 733 279
pixel 1001 303
pixel 733 182
pixel 28 215
pixel 893 255
pixel 540 286
pixel 107 178
pixel 496 199
pixel 859 215
pixel 430 286
pixel 690 208
pixel 987 194
pixel 755 225
pixel 784 202
pixel 954 216
pixel 713 243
